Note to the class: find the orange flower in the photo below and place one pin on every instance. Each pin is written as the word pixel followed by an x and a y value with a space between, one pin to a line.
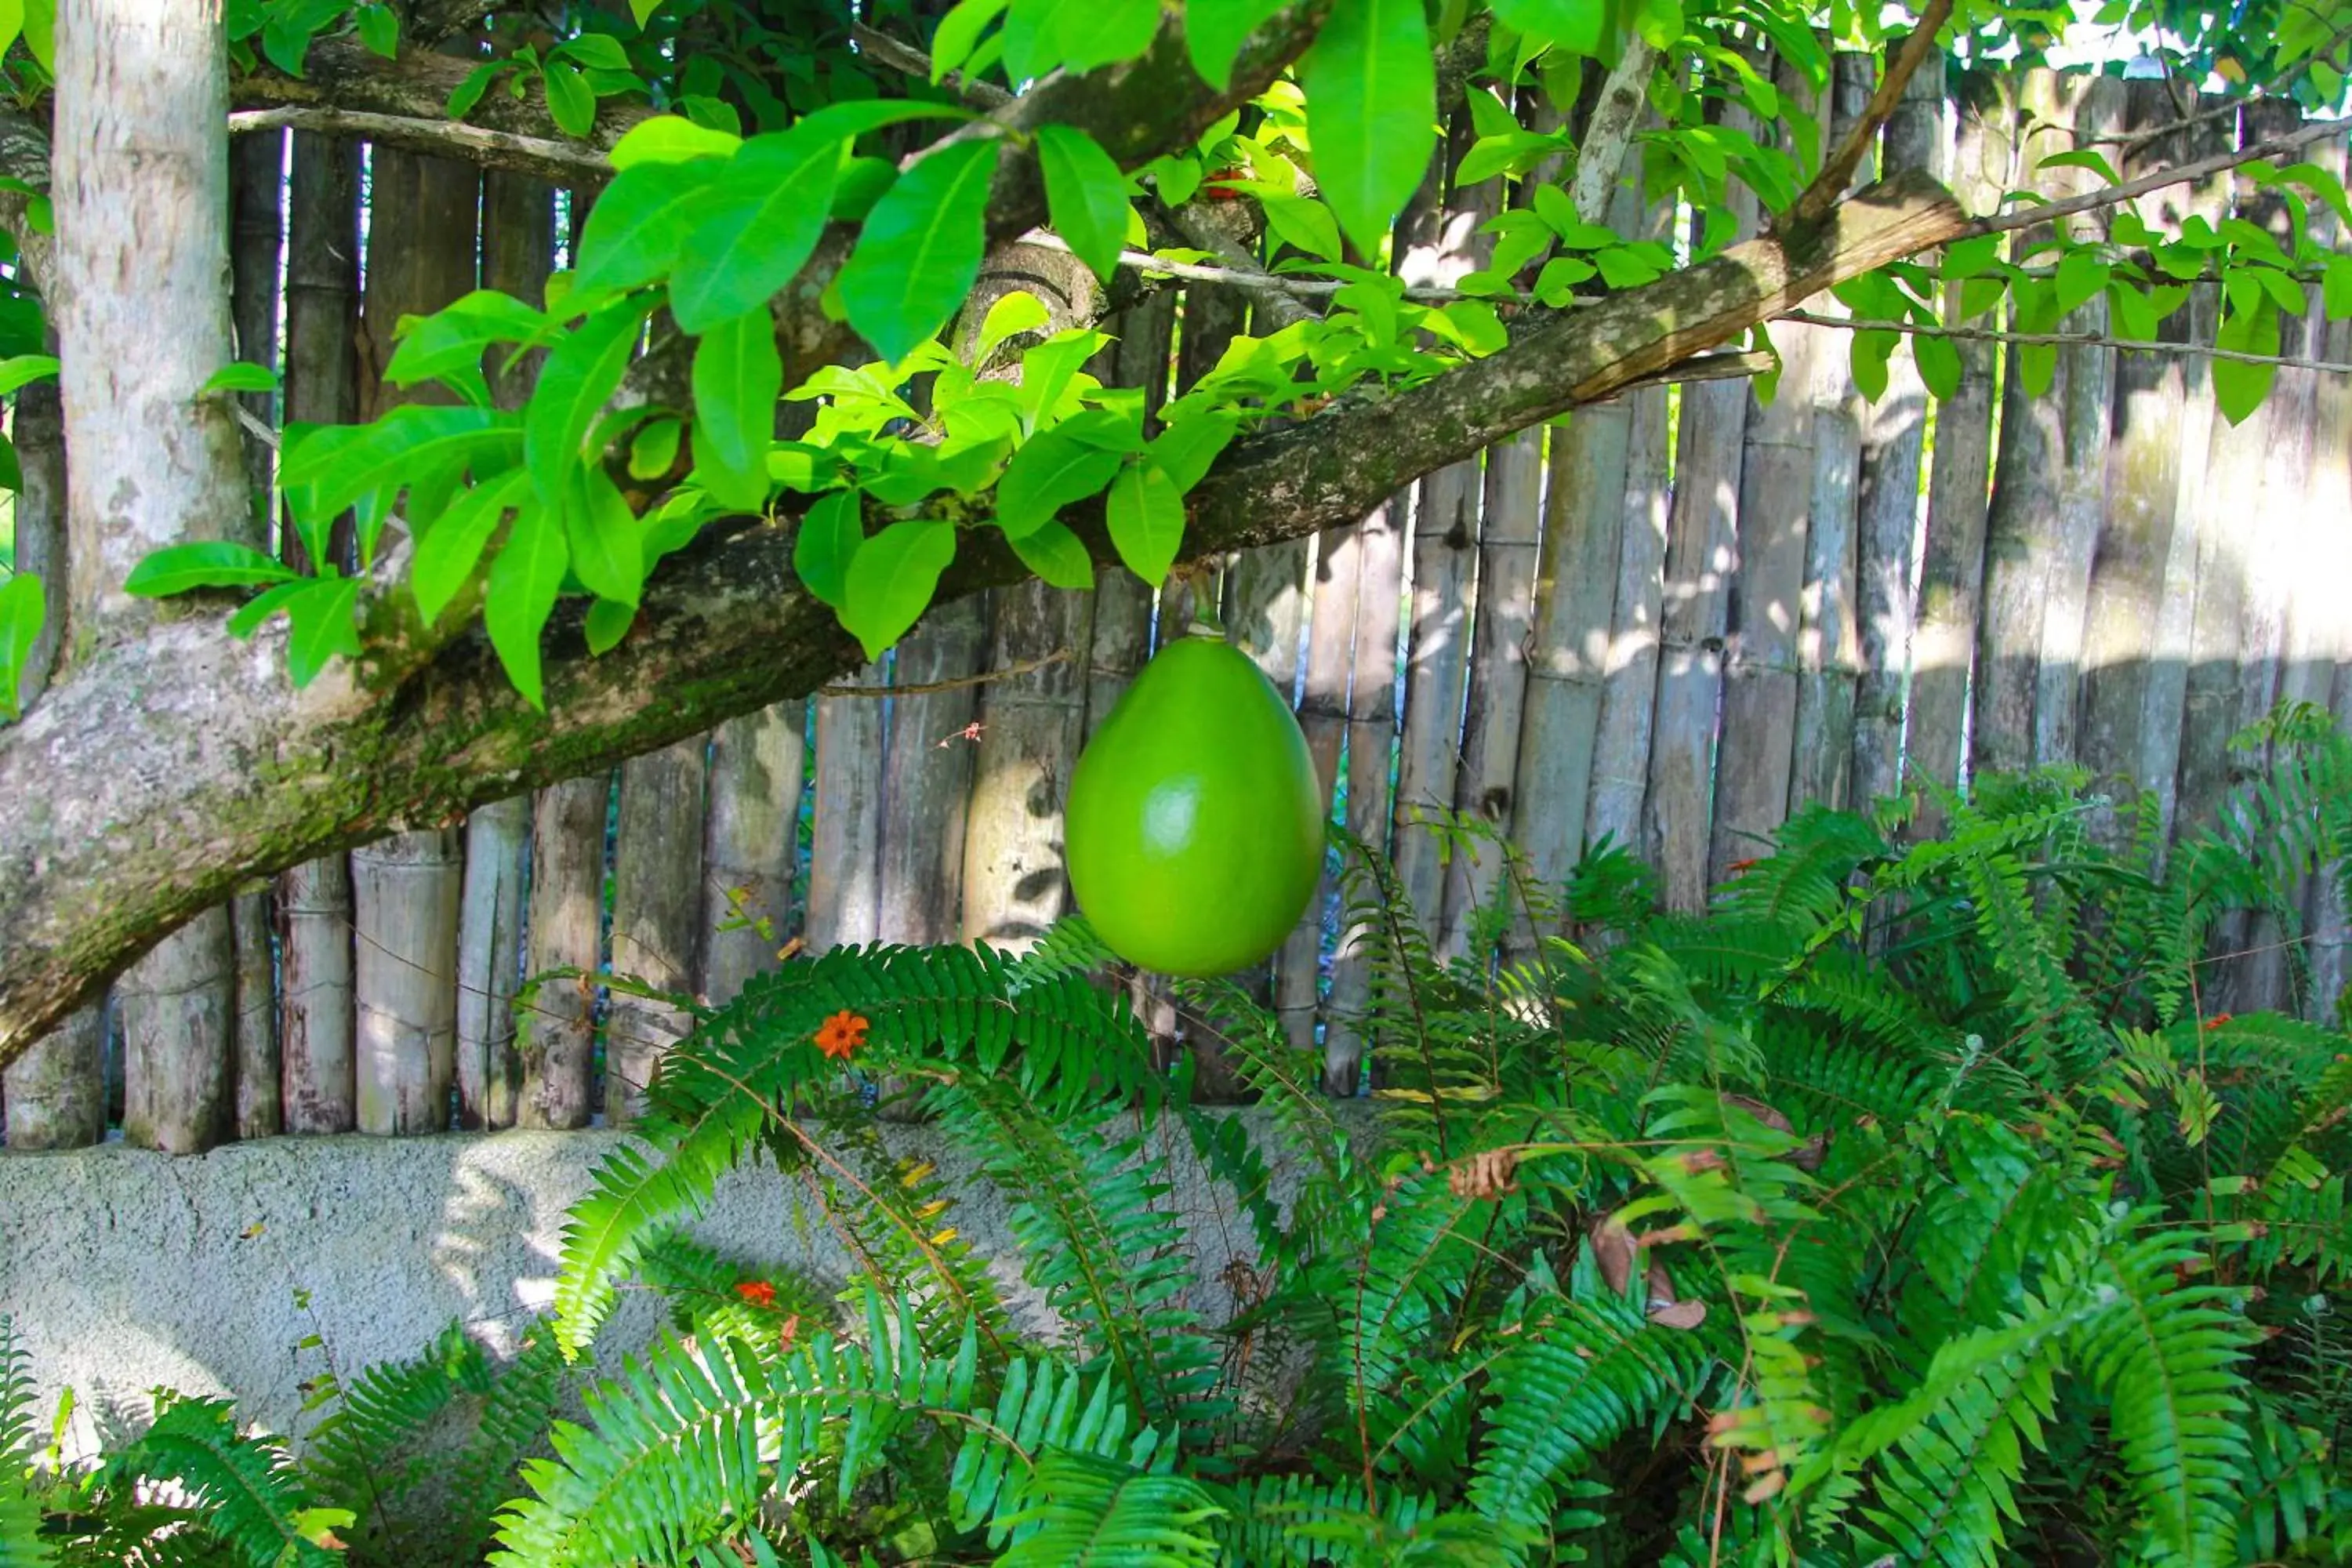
pixel 841 1034
pixel 759 1292
pixel 2217 1020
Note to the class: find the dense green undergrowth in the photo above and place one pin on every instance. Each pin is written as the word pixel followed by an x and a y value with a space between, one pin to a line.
pixel 1911 1205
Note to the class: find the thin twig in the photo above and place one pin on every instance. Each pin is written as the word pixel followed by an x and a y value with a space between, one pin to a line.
pixel 924 689
pixel 2061 339
pixel 540 152
pixel 902 57
pixel 2181 174
pixel 2128 142
pixel 1829 185
pixel 254 425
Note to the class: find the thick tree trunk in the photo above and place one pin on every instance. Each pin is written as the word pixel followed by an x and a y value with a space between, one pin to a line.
pixel 566 933
pixel 142 190
pixel 727 630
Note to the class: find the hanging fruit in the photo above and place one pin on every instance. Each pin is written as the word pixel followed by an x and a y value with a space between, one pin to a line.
pixel 1194 829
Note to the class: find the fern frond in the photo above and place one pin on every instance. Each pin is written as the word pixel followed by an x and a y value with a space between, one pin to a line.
pixel 246 1491
pixel 365 1456
pixel 2166 1355
pixel 1585 1373
pixel 1088 1511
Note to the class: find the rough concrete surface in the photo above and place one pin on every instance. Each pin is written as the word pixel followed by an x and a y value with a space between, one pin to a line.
pixel 126 1270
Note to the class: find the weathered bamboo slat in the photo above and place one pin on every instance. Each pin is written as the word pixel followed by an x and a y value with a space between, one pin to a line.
pixel 927 776
pixel 1894 443
pixel 1379 543
pixel 1323 715
pixel 314 900
pixel 845 885
pixel 1444 563
pixel 1031 728
pixel 178 1034
pixel 656 914
pixel 2323 633
pixel 1951 567
pixel 489 963
pixel 405 890
pixel 2048 482
pixel 55 1094
pixel 2123 654
pixel 758 763
pixel 565 933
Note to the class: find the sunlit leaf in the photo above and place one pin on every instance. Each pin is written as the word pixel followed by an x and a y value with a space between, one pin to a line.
pixel 891 580
pixel 921 248
pixel 1371 110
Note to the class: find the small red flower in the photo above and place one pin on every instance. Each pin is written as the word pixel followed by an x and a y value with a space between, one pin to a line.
pixel 1219 193
pixel 2217 1020
pixel 841 1035
pixel 759 1292
pixel 1737 866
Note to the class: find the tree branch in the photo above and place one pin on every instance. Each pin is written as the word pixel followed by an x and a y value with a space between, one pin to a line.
pixel 1837 172
pixel 2179 174
pixel 168 769
pixel 1601 156
pixel 565 163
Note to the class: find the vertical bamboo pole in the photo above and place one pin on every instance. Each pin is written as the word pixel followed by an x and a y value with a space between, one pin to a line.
pixel 518 249
pixel 405 889
pixel 757 764
pixel 256 176
pixel 178 1036
pixel 1894 446
pixel 565 928
pixel 2122 651
pixel 1032 727
pixel 927 776
pixel 1829 647
pixel 55 1094
pixel 1951 567
pixel 314 899
pixel 844 886
pixel 1323 715
pixel 1378 545
pixel 2323 624
pixel 1701 551
pixel 2048 489
pixel 1628 692
pixel 1444 567
pixel 656 914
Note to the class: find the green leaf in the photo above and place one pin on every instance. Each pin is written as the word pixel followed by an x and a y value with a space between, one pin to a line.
pixel 1308 225
pixel 21 611
pixel 449 345
pixel 1085 194
pixel 1580 27
pixel 959 34
pixel 1147 520
pixel 468 92
pixel 922 249
pixel 2037 368
pixel 22 370
pixel 641 11
pixel 830 537
pixel 2083 158
pixel 2238 388
pixel 12 22
pixel 2336 289
pixel 635 230
pixel 264 607
pixel 607 549
pixel 1049 473
pixel 1017 312
pixel 1939 364
pixel 334 465
pixel 2081 278
pixel 607 622
pixel 1371 110
pixel 1078 34
pixel 286 43
pixel 669 139
pixel 571 102
pixel 41 33
pixel 891 580
pixel 379 30
pixel 445 557
pixel 323 626
pixel 1216 31
pixel 739 378
pixel 1185 450
pixel 240 377
pixel 578 379
pixel 214 564
pixel 1054 554
pixel 1870 351
pixel 524 580
pixel 655 449
pixel 596 51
